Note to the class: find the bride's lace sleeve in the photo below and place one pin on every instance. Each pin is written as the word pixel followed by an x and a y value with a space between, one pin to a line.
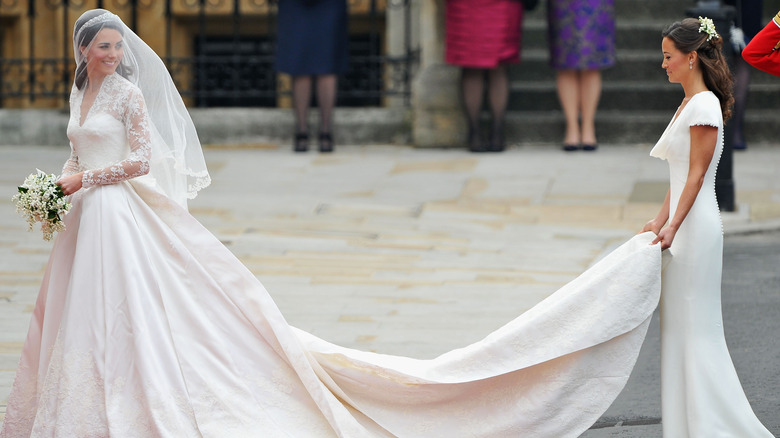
pixel 138 132
pixel 72 165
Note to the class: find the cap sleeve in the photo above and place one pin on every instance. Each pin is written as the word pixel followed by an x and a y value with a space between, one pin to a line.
pixel 706 111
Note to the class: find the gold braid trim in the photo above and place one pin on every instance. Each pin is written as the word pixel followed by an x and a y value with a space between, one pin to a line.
pixel 777 21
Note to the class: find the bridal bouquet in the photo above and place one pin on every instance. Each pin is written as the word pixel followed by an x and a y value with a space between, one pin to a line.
pixel 40 199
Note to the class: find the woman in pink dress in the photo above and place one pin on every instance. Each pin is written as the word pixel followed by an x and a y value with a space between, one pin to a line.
pixel 483 37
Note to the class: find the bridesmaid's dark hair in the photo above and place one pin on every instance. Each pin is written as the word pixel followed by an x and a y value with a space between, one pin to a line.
pixel 86 36
pixel 717 77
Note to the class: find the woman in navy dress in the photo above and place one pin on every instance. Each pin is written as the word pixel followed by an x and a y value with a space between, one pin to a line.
pixel 312 47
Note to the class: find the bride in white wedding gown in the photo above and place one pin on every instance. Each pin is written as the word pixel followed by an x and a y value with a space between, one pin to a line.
pixel 701 393
pixel 147 326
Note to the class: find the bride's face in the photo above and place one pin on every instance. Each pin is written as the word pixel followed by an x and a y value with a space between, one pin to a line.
pixel 105 53
pixel 676 63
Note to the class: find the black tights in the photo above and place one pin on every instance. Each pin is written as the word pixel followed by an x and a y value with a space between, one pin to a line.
pixel 472 82
pixel 326 100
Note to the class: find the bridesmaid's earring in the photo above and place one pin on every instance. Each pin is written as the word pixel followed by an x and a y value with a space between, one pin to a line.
pixel 690 65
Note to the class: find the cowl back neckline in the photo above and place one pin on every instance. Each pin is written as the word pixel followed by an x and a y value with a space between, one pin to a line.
pixel 660 150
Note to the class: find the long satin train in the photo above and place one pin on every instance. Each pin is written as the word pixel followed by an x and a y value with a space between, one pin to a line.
pixel 146 325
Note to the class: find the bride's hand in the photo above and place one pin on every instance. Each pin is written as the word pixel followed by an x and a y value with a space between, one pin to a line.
pixel 665 237
pixel 71 184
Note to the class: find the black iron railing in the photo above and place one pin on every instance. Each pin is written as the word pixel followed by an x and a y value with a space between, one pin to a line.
pixel 230 62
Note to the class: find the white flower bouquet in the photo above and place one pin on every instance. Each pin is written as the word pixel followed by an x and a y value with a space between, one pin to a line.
pixel 40 199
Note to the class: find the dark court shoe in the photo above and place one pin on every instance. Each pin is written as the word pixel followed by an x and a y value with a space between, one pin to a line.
pixel 475 143
pixel 571 147
pixel 301 143
pixel 590 147
pixel 326 142
pixel 739 146
pixel 497 144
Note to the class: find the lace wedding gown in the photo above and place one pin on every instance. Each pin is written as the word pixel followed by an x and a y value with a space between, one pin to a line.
pixel 701 393
pixel 147 326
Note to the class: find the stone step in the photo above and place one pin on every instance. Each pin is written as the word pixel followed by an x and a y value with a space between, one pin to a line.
pixel 637 34
pixel 620 128
pixel 663 10
pixel 270 128
pixel 633 19
pixel 631 65
pixel 629 96
pixel 391 126
pixel 634 65
pixel 629 9
pixel 667 10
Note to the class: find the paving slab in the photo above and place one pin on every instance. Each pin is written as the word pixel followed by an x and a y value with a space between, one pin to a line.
pixel 402 250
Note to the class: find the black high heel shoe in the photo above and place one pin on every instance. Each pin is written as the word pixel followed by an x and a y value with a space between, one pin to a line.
pixel 475 142
pixel 326 142
pixel 301 143
pixel 497 143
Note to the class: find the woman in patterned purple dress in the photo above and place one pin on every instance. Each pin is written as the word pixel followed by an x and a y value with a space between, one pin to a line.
pixel 582 43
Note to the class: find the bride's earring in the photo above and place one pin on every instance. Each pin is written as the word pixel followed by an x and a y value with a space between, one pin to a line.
pixel 690 65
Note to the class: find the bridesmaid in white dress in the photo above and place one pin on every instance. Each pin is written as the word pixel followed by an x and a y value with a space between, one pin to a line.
pixel 701 393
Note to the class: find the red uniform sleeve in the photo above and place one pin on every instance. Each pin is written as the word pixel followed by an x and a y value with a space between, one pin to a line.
pixel 763 51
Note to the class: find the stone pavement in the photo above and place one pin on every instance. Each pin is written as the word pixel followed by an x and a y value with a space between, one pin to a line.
pixel 401 250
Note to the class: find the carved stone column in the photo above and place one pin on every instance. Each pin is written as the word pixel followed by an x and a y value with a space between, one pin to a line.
pixel 437 116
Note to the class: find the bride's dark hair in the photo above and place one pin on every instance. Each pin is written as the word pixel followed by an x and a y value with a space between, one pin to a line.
pixel 687 38
pixel 86 35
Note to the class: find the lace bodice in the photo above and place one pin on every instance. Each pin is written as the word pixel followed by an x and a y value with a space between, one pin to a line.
pixel 114 142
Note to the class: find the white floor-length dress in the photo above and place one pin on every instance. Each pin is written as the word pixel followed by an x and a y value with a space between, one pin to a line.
pixel 701 393
pixel 147 326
